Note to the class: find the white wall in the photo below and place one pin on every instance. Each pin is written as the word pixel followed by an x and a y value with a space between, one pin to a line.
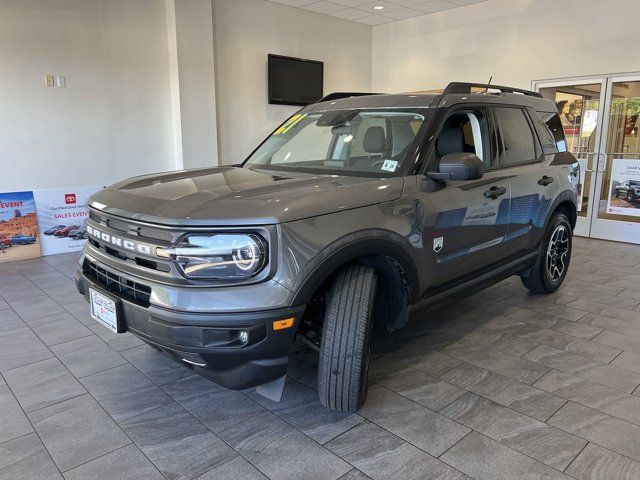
pixel 113 120
pixel 516 41
pixel 245 32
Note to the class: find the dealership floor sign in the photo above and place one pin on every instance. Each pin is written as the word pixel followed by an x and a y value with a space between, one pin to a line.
pixel 18 226
pixel 61 216
pixel 624 188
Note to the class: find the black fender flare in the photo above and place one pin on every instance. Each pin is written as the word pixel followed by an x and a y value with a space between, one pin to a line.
pixel 346 249
pixel 564 196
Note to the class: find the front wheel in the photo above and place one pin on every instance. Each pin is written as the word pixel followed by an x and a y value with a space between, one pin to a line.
pixel 344 351
pixel 554 254
pixel 630 196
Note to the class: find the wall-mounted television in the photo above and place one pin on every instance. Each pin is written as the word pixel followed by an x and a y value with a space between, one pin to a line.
pixel 294 81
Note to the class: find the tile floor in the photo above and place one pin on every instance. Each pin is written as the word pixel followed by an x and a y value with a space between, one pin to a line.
pixel 503 385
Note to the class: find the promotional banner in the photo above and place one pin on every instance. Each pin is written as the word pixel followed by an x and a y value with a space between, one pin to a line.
pixel 61 216
pixel 18 227
pixel 624 188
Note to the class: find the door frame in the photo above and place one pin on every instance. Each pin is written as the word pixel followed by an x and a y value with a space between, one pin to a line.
pixel 590 225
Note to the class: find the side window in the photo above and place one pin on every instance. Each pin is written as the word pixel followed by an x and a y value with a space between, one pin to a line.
pixel 518 142
pixel 464 132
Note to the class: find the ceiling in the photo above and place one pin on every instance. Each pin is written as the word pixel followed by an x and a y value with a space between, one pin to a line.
pixel 370 13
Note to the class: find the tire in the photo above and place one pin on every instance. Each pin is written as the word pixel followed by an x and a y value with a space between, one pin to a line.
pixel 346 335
pixel 630 196
pixel 617 194
pixel 552 263
pixel 2 246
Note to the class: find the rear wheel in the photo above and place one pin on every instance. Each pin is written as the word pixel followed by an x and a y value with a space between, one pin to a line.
pixel 346 335
pixel 550 269
pixel 630 196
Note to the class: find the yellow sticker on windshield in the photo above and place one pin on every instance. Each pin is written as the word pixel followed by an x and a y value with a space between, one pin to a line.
pixel 289 124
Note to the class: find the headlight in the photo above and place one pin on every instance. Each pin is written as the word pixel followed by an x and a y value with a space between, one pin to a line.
pixel 219 255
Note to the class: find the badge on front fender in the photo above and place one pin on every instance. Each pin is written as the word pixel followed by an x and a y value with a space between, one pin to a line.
pixel 438 243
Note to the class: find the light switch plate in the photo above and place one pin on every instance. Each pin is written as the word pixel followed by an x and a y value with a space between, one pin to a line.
pixel 49 80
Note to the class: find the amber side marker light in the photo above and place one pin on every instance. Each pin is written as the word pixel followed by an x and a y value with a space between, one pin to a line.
pixel 282 324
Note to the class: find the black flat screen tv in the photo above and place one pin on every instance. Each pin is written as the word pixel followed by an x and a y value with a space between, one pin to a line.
pixel 294 81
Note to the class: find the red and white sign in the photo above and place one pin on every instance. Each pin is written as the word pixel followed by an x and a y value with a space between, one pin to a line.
pixel 61 214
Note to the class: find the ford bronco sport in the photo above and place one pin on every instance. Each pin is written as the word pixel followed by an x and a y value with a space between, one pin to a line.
pixel 629 189
pixel 350 214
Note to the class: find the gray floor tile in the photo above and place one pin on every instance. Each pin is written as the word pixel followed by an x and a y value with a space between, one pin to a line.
pixel 236 469
pixel 595 351
pixel 42 384
pixel 31 309
pixel 21 347
pixel 221 410
pixel 77 431
pixel 600 428
pixel 301 408
pixel 609 375
pixel 192 386
pixel 26 458
pixel 86 356
pixel 484 459
pixel 381 455
pixel 177 444
pixel 624 342
pixel 606 310
pixel 59 328
pixel 64 294
pixel 156 365
pixel 414 423
pixel 420 387
pixel 498 362
pixel 81 311
pixel 597 463
pixel 593 395
pixel 427 361
pixel 127 463
pixel 520 397
pixel 281 452
pixel 117 341
pixel 612 324
pixel 628 361
pixel 124 392
pixel 12 419
pixel 515 430
pixel 355 475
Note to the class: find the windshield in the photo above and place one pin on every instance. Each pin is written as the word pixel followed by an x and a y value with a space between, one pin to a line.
pixel 342 142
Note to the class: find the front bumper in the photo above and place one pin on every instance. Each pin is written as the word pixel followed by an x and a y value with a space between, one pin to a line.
pixel 209 343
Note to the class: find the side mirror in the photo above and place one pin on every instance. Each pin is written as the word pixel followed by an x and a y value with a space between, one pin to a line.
pixel 459 166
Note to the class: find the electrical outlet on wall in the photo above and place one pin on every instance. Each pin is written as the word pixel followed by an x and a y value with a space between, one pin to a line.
pixel 61 81
pixel 49 80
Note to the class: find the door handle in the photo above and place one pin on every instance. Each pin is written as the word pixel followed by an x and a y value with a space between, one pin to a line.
pixel 544 181
pixel 494 192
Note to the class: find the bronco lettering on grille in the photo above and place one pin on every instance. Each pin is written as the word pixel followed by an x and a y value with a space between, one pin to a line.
pixel 118 241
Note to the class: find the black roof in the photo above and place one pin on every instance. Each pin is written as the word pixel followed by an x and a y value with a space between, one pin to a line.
pixel 455 93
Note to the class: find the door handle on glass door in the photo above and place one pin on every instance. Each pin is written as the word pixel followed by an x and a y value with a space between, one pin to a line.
pixel 494 192
pixel 544 181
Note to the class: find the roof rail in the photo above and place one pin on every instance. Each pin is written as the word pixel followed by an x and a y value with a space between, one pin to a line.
pixel 339 95
pixel 464 87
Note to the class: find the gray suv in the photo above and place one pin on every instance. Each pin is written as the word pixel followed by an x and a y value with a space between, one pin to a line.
pixel 353 212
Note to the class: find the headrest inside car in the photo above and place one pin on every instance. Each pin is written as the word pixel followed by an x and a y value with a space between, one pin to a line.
pixel 374 140
pixel 450 140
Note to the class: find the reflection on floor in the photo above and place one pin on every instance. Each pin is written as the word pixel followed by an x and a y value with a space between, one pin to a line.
pixel 503 385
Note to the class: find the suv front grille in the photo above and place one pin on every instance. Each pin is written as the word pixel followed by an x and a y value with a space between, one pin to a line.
pixel 128 289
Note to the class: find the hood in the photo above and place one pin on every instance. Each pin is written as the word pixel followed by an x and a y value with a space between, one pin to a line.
pixel 240 196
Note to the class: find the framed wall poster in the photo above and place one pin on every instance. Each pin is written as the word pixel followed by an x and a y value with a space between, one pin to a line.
pixel 18 226
pixel 61 214
pixel 624 188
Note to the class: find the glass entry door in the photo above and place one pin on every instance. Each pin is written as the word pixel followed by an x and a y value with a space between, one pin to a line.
pixel 600 116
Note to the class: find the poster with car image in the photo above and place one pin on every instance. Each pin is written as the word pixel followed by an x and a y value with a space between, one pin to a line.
pixel 624 188
pixel 18 226
pixel 62 213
